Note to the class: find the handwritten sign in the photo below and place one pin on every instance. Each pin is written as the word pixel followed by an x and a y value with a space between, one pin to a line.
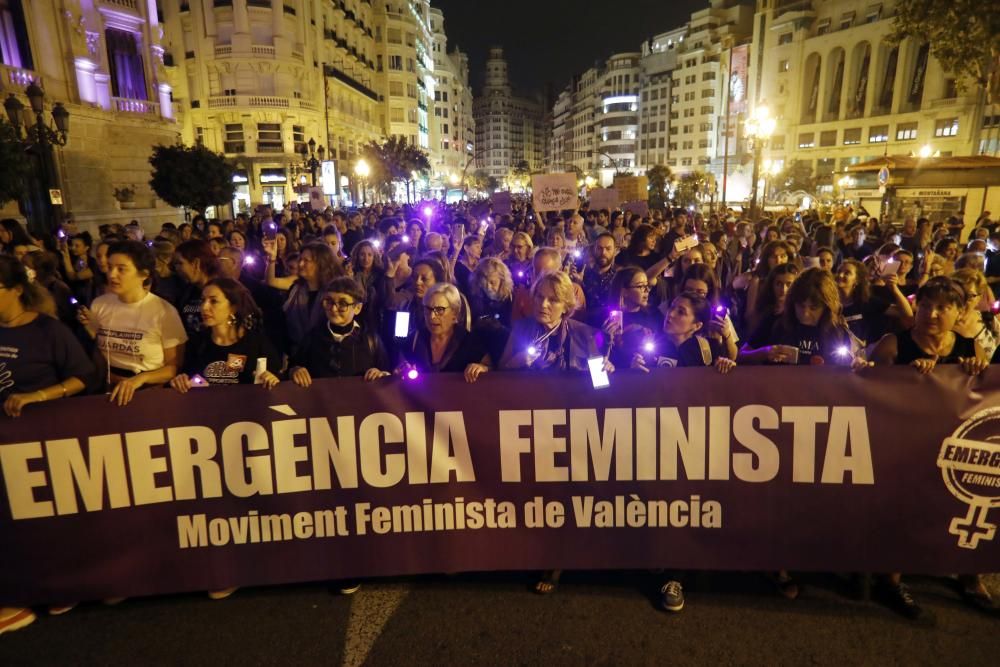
pixel 554 192
pixel 501 203
pixel 632 188
pixel 603 198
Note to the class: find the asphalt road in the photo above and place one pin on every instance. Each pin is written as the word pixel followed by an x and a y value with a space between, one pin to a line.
pixel 492 619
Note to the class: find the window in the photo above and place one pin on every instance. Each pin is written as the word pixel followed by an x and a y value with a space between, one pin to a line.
pixel 14 46
pixel 878 134
pixel 394 35
pixel 396 62
pixel 299 138
pixel 778 142
pixel 947 127
pixel 852 136
pixel 269 138
pixel 950 89
pixel 785 38
pixel 823 27
pixel 807 140
pixel 396 88
pixel 128 77
pixel 708 92
pixel 783 66
pixel 847 20
pixel 396 115
pixel 873 14
pixel 906 131
pixel 234 139
pixel 828 138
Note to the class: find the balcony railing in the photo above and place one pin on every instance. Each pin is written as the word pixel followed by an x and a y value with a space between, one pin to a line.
pixel 15 77
pixel 259 102
pixel 260 50
pixel 125 105
pixel 223 50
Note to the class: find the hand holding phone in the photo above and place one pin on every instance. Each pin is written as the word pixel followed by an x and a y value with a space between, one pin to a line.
pixel 682 245
pixel 402 329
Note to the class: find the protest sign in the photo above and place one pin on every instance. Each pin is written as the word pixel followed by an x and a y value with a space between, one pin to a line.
pixel 632 188
pixel 554 192
pixel 603 198
pixel 501 203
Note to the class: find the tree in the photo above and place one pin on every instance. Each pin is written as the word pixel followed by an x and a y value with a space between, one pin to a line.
pixel 191 176
pixel 14 165
pixel 395 159
pixel 692 187
pixel 659 178
pixel 480 180
pixel 519 175
pixel 964 35
pixel 797 175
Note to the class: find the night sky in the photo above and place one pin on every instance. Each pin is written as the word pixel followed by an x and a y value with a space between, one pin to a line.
pixel 548 41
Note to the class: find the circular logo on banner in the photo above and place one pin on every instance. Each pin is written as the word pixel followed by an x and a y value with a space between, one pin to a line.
pixel 970 465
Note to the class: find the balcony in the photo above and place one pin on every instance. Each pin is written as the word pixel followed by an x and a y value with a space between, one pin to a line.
pixel 256 51
pixel 144 107
pixel 258 102
pixel 17 78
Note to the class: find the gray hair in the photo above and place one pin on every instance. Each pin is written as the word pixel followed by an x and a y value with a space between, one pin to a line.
pixel 486 268
pixel 449 292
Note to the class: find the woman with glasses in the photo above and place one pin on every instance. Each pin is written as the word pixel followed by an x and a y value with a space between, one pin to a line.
pixel 340 346
pixel 700 279
pixel 519 261
pixel 976 320
pixel 444 344
pixel 629 320
pixel 867 315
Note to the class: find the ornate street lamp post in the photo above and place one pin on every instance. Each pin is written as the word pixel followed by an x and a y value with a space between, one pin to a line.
pixel 309 158
pixel 362 170
pixel 38 137
pixel 759 128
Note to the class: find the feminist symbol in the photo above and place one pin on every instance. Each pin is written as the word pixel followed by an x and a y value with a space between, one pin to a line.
pixel 970 465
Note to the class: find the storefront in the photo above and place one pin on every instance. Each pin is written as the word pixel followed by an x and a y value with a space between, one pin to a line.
pixel 273 182
pixel 935 187
pixel 241 196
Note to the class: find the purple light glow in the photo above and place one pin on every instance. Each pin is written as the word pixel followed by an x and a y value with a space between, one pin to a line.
pixel 428 211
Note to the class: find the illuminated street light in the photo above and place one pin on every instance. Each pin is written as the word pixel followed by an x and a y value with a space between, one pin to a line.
pixel 362 170
pixel 759 128
pixel 926 151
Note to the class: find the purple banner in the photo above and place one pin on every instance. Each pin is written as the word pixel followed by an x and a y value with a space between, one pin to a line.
pixel 767 468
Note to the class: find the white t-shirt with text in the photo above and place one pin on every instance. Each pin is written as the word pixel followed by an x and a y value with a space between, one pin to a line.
pixel 133 336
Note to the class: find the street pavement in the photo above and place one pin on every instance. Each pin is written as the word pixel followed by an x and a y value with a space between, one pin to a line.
pixel 600 618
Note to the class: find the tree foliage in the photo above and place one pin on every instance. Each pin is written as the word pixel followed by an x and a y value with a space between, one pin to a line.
pixel 797 175
pixel 693 187
pixel 191 176
pixel 14 165
pixel 964 35
pixel 394 159
pixel 659 178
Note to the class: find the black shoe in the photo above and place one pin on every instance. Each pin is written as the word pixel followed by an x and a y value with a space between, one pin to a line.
pixel 981 599
pixel 900 600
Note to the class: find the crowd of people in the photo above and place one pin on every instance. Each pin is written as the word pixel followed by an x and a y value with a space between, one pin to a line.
pixel 299 295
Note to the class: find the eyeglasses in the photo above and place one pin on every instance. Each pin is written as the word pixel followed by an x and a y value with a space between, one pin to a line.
pixel 339 305
pixel 436 311
pixel 644 287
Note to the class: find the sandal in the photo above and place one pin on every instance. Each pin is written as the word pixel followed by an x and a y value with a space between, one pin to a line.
pixel 548 583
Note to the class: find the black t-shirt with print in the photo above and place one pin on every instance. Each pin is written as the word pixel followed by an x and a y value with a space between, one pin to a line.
pixel 231 364
pixel 40 354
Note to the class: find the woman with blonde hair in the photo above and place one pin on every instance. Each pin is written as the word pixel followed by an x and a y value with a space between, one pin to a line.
pixel 974 321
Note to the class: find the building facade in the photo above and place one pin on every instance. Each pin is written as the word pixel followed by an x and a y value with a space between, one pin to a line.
pixel 842 94
pixel 452 125
pixel 510 129
pixel 103 60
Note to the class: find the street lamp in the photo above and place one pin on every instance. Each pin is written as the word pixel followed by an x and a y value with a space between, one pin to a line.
pixel 309 158
pixel 771 169
pixel 38 138
pixel 362 170
pixel 759 128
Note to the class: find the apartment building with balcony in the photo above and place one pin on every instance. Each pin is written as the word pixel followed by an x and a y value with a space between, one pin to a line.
pixel 405 68
pixel 842 94
pixel 509 128
pixel 103 60
pixel 452 127
pixel 257 79
pixel 656 67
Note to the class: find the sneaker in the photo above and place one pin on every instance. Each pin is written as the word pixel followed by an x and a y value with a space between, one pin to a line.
pixel 348 587
pixel 15 618
pixel 900 600
pixel 672 596
pixel 223 594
